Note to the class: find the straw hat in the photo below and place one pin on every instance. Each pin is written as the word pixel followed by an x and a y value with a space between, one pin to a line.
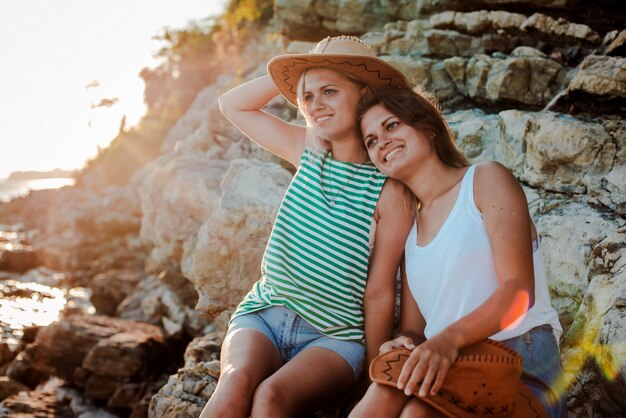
pixel 343 53
pixel 485 379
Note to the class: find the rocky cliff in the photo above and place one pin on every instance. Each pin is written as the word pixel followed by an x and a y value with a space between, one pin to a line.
pixel 539 85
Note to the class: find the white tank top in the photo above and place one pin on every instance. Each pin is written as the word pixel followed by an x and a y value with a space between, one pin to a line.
pixel 454 274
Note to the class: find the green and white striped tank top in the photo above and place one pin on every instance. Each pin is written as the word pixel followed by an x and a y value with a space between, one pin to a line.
pixel 316 260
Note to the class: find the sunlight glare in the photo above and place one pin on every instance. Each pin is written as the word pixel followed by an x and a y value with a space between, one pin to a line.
pixel 27 304
pixel 51 118
pixel 516 312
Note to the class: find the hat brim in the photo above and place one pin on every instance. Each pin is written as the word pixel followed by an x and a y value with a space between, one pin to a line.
pixel 526 406
pixel 287 69
pixel 385 369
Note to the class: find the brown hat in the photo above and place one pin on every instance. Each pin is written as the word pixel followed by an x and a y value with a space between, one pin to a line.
pixel 484 380
pixel 344 53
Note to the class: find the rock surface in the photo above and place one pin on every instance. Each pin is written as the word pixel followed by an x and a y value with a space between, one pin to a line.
pixel 538 85
pixel 100 355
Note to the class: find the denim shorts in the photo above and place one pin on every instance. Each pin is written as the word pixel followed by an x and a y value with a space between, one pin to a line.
pixel 291 334
pixel 542 370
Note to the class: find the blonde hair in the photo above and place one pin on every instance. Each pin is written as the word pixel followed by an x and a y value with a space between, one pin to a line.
pixel 314 139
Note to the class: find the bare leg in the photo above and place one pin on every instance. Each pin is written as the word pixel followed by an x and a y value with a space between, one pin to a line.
pixel 247 358
pixel 416 408
pixel 380 400
pixel 305 383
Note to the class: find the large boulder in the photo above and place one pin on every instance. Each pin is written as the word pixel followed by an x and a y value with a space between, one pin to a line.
pixel 224 259
pixel 99 354
pixel 176 199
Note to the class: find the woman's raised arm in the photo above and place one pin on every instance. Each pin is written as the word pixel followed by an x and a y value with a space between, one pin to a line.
pixel 242 106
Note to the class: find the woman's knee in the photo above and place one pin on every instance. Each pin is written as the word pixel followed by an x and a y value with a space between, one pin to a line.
pixel 416 408
pixel 238 380
pixel 380 397
pixel 269 400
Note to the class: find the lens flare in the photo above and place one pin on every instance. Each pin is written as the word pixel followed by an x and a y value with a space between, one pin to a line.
pixel 516 312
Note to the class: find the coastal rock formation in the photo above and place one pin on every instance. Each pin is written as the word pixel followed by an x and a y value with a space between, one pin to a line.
pixel 511 76
pixel 538 85
pixel 225 258
pixel 107 358
pixel 186 392
pixel 167 300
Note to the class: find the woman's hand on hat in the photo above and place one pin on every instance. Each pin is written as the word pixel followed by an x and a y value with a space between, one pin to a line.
pixel 427 366
pixel 401 341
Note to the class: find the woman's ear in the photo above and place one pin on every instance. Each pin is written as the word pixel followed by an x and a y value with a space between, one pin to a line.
pixel 365 90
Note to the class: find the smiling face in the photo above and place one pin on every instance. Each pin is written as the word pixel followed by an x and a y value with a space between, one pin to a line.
pixel 393 146
pixel 328 100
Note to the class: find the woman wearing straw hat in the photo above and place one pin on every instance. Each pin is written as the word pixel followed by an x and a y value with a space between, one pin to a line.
pixel 473 270
pixel 296 340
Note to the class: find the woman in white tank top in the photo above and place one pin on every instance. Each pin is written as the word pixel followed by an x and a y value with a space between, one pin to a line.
pixel 471 269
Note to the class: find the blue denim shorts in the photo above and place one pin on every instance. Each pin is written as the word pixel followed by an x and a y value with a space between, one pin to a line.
pixel 542 368
pixel 291 334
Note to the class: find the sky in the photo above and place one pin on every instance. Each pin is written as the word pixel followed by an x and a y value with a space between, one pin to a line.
pixel 60 58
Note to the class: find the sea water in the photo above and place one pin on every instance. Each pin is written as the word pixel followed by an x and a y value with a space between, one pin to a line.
pixel 12 189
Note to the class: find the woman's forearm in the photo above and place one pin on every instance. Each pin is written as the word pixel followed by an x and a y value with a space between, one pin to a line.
pixel 378 322
pixel 504 308
pixel 250 96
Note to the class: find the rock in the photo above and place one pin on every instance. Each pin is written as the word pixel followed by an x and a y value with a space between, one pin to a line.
pixel 22 370
pixel 528 80
pixel 478 22
pixel 298 19
pixel 178 196
pixel 40 404
pixel 9 387
pixel 111 288
pixel 80 407
pixel 560 27
pixel 99 354
pixel 17 258
pixel 355 15
pixel 203 130
pixel 551 150
pixel 601 76
pixel 162 301
pixel 595 356
pixel 527 51
pixel 186 393
pixel 206 205
pixel 441 84
pixel 476 75
pixel 476 133
pixel 224 260
pixel 456 70
pixel 448 43
pixel 6 354
pixel 570 267
pixel 310 20
pixel 79 225
pixel 416 69
pixel 618 46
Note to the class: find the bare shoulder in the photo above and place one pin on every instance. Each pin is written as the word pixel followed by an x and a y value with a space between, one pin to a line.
pixel 494 183
pixel 396 199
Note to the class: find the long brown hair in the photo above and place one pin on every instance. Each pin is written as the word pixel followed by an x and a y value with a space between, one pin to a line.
pixel 419 110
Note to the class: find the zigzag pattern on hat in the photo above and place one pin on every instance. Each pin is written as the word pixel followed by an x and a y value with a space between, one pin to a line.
pixel 296 61
pixel 390 365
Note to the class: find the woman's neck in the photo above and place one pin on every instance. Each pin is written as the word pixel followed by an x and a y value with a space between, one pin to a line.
pixel 349 151
pixel 433 180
